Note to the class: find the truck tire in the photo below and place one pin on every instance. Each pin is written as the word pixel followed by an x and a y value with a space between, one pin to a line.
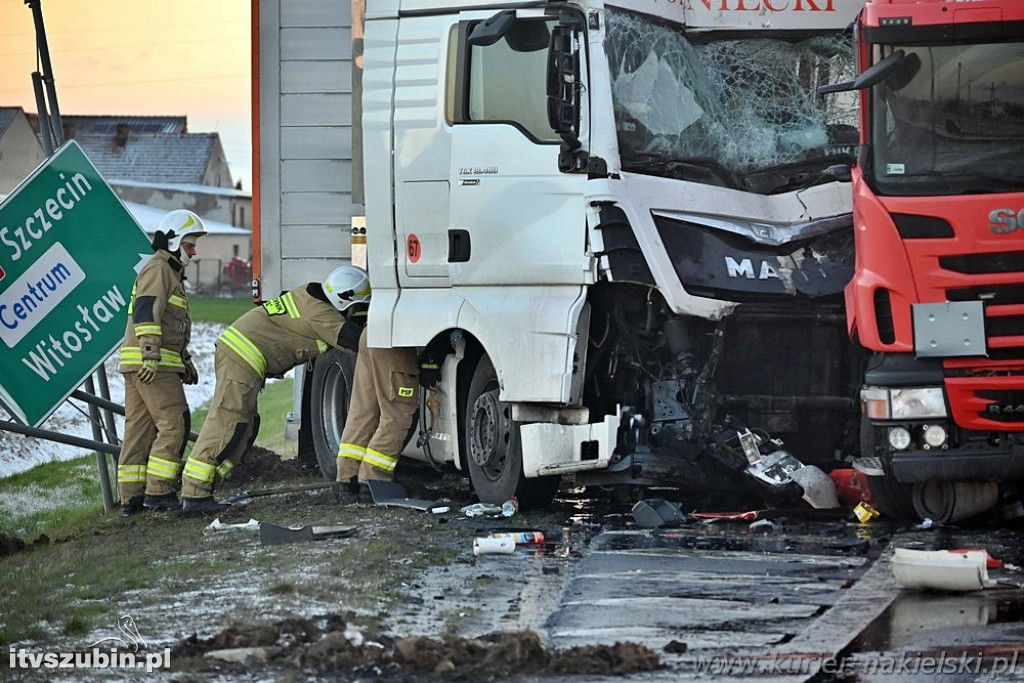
pixel 893 498
pixel 330 392
pixel 494 453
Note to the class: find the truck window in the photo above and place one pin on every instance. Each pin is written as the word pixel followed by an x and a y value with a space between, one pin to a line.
pixel 506 84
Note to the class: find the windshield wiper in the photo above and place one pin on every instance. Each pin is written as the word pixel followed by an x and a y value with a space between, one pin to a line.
pixel 800 175
pixel 698 169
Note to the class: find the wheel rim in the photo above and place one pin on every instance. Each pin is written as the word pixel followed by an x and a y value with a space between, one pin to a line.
pixel 489 435
pixel 335 405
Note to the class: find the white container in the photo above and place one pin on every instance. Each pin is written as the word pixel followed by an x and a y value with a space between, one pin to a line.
pixel 493 546
pixel 941 570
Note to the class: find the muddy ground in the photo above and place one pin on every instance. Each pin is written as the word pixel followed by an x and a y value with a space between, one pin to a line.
pixel 402 598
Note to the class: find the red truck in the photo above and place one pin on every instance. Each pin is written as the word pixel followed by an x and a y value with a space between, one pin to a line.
pixel 938 291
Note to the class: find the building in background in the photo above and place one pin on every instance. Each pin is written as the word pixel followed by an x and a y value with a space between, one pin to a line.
pixel 223 262
pixel 155 166
pixel 20 150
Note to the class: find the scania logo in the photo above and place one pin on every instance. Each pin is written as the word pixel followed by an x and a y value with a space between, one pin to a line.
pixel 1005 220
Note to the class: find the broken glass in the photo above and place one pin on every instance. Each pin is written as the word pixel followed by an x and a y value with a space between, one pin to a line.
pixel 741 112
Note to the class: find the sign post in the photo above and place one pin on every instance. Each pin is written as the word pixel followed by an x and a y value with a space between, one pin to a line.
pixel 69 254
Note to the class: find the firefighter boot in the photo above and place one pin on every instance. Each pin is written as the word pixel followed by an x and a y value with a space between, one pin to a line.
pixel 164 503
pixel 202 506
pixel 132 506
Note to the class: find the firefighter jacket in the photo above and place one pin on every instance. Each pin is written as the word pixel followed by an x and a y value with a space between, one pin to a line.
pixel 159 321
pixel 285 331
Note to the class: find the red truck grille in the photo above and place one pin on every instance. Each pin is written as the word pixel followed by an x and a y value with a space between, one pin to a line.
pixel 1004 317
pixel 987 403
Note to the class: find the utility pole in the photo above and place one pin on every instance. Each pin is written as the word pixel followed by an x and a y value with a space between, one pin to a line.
pixel 50 126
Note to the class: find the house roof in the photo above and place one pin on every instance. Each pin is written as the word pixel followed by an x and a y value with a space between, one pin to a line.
pixel 107 125
pixel 150 157
pixel 191 188
pixel 149 219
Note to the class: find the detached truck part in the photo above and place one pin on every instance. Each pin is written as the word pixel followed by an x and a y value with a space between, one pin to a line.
pixel 626 223
pixel 938 294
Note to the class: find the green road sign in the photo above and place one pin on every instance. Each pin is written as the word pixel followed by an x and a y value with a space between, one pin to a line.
pixel 69 253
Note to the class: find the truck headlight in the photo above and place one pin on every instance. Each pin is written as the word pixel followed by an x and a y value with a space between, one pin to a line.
pixel 903 404
pixel 912 404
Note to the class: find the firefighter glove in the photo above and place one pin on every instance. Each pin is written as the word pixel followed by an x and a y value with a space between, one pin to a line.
pixel 430 375
pixel 147 373
pixel 191 375
pixel 348 338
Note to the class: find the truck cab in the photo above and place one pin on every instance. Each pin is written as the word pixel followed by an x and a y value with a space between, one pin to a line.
pixel 626 224
pixel 938 293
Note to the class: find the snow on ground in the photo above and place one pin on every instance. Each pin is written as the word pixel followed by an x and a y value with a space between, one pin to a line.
pixel 19 453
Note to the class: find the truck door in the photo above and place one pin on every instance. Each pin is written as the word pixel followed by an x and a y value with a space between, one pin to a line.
pixel 514 218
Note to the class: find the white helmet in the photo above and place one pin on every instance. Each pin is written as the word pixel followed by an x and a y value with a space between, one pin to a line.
pixel 183 223
pixel 347 285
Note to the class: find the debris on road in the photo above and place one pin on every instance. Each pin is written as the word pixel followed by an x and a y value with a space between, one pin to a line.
pixel 942 570
pixel 493 546
pixel 865 512
pixel 393 493
pixel 651 513
pixel 246 496
pixel 273 534
pixel 217 525
pixel 520 537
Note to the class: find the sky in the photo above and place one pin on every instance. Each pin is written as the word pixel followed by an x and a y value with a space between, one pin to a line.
pixel 141 58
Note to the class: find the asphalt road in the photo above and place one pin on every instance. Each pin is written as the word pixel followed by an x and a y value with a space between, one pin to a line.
pixel 793 599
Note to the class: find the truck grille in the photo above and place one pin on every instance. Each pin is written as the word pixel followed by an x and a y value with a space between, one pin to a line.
pixel 987 403
pixel 1004 316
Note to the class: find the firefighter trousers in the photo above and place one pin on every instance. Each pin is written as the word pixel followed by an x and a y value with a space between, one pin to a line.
pixel 156 429
pixel 230 426
pixel 382 411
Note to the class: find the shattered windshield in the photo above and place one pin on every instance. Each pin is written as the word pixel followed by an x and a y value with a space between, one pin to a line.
pixel 739 113
pixel 950 119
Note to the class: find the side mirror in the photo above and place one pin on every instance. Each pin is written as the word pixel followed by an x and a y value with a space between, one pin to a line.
pixel 899 65
pixel 491 30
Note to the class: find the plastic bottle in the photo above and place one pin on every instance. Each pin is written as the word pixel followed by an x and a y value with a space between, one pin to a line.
pixel 510 507
pixel 479 509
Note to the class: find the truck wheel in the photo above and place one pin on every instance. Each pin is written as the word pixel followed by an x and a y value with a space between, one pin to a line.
pixel 892 497
pixel 328 406
pixel 495 458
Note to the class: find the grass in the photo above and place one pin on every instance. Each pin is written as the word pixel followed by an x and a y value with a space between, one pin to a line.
pixel 275 402
pixel 210 309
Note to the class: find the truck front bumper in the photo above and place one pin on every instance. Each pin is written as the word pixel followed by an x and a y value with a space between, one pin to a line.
pixel 997 464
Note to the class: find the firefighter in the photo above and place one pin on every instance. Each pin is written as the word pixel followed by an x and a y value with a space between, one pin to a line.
pixel 155 363
pixel 381 413
pixel 268 341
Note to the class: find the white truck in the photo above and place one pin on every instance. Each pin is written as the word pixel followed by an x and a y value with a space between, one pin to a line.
pixel 627 224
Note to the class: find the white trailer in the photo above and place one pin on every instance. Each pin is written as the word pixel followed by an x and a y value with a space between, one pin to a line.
pixel 627 221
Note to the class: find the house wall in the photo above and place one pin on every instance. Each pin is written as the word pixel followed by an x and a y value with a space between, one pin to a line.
pixel 218 173
pixel 20 153
pixel 214 252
